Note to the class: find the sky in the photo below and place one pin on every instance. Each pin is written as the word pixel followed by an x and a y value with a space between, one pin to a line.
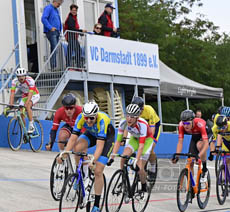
pixel 217 11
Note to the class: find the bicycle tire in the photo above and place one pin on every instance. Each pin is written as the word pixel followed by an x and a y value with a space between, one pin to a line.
pixel 115 183
pixel 202 204
pixel 220 184
pixel 14 128
pixel 36 143
pixel 137 195
pixel 218 162
pixel 70 196
pixel 102 201
pixel 58 172
pixel 183 175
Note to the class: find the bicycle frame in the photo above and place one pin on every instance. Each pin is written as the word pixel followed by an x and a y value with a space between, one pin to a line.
pixel 227 175
pixel 18 114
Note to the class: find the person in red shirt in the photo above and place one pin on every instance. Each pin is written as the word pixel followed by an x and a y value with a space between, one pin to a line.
pixel 71 24
pixel 67 113
pixel 199 141
pixel 105 20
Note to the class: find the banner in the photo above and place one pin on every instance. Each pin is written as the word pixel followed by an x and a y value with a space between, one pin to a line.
pixel 115 56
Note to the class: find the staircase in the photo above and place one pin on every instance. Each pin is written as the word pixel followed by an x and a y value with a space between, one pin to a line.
pixel 52 80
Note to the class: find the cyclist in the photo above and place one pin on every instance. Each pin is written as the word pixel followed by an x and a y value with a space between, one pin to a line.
pixel 149 114
pixel 141 140
pixel 199 141
pixel 30 95
pixel 67 113
pixel 100 133
pixel 222 126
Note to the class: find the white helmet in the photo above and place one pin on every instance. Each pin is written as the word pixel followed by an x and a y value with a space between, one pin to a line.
pixel 90 109
pixel 21 72
pixel 133 110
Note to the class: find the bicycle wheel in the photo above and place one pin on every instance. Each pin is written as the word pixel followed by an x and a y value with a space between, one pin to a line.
pixel 115 192
pixel 218 163
pixel 70 196
pixel 203 194
pixel 58 175
pixel 140 199
pixel 14 133
pixel 221 186
pixel 91 197
pixel 36 139
pixel 183 194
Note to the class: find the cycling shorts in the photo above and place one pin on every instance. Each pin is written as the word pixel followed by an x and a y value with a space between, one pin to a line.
pixel 108 145
pixel 67 128
pixel 133 144
pixel 192 147
pixel 225 145
pixel 35 98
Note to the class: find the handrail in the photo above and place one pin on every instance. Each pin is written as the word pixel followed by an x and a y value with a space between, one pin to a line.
pixel 34 108
pixel 7 60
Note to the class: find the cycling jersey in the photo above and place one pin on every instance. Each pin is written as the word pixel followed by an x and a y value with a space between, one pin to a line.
pixel 199 127
pixel 27 86
pixel 149 114
pixel 61 115
pixel 141 130
pixel 225 138
pixel 99 129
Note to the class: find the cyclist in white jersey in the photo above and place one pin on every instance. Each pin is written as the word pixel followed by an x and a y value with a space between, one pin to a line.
pixel 141 140
pixel 30 94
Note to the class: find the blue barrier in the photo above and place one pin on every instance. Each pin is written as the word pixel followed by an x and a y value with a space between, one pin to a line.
pixel 166 145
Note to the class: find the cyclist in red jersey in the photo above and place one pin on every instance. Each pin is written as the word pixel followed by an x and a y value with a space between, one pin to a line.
pixel 67 113
pixel 199 141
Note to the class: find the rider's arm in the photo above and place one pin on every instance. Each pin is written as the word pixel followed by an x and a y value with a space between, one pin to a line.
pixel 12 94
pixel 71 142
pixel 219 140
pixel 117 144
pixel 179 145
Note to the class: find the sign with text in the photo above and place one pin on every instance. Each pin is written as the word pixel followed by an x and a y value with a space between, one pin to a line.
pixel 122 57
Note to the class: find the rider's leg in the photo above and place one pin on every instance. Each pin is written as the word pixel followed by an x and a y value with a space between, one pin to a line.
pixel 29 111
pixel 212 148
pixel 200 145
pixel 63 136
pixel 99 182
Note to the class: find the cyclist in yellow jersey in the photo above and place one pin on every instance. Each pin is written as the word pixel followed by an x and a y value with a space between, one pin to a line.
pixel 149 114
pixel 220 128
pixel 100 133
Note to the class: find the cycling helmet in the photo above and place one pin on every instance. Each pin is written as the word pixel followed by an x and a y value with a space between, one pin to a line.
pixel 90 109
pixel 138 101
pixel 187 115
pixel 69 99
pixel 221 121
pixel 21 72
pixel 133 110
pixel 220 109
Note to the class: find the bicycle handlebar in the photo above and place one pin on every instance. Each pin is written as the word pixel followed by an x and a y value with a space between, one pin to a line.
pixel 189 155
pixel 81 154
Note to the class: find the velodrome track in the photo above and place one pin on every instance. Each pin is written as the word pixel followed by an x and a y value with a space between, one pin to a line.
pixel 24 185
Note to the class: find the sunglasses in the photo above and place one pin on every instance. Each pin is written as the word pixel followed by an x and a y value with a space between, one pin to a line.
pixel 186 123
pixel 129 116
pixel 221 128
pixel 98 27
pixel 69 108
pixel 91 118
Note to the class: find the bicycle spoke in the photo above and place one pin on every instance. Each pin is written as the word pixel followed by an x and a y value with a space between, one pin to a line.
pixel 36 139
pixel 221 187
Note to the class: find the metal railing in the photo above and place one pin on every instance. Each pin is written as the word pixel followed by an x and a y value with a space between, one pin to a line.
pixel 171 125
pixel 5 76
pixel 68 55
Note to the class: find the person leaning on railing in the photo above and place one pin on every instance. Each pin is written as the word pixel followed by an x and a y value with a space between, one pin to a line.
pixel 71 23
pixel 67 113
pixel 52 27
pixel 30 95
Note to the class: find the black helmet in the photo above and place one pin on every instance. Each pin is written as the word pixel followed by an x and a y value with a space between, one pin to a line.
pixel 138 101
pixel 69 99
pixel 187 115
pixel 221 121
pixel 133 110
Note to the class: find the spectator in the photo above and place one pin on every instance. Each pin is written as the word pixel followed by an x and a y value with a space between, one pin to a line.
pixel 52 26
pixel 106 21
pixel 97 29
pixel 198 113
pixel 71 23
